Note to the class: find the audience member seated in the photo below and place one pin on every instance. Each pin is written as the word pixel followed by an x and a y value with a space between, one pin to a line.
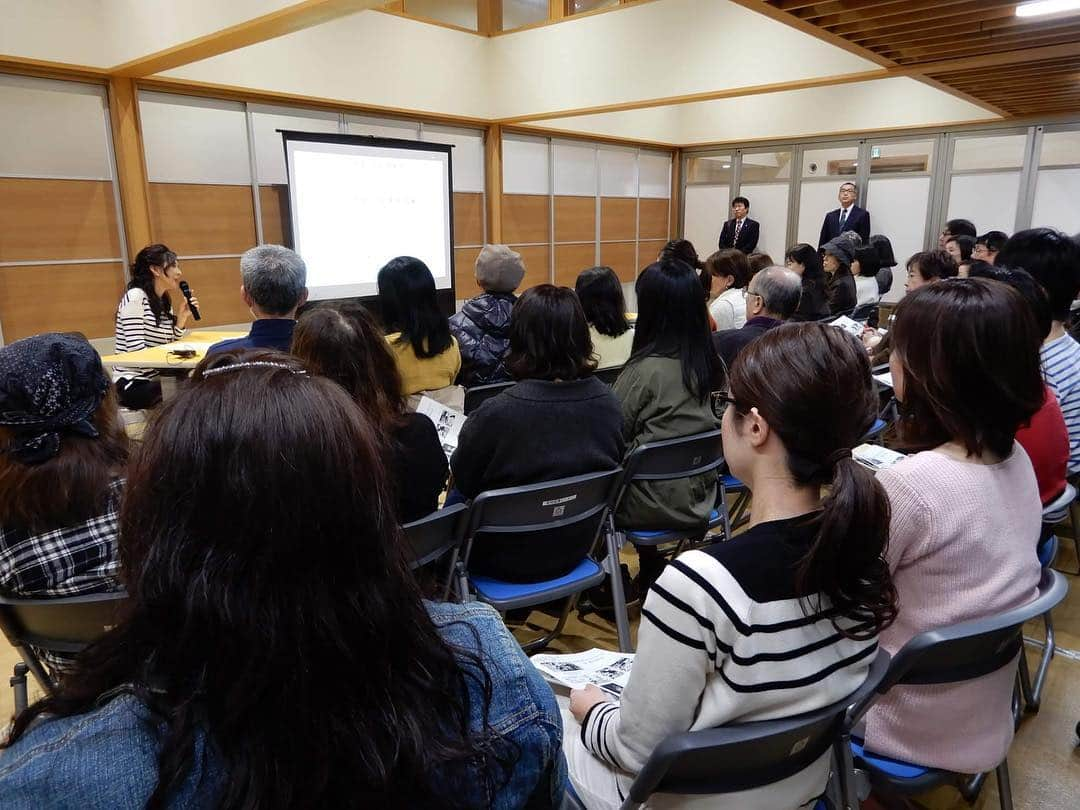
pixel 805 262
pixel 558 421
pixel 145 318
pixel 886 259
pixel 664 391
pixel 928 267
pixel 277 651
pixel 837 257
pixel 956 227
pixel 600 293
pixel 758 262
pixel 989 245
pixel 784 618
pixel 62 452
pixel 482 328
pixel 273 288
pixel 960 248
pixel 965 506
pixel 865 267
pixel 724 277
pixel 771 299
pixel 427 355
pixel 347 346
pixel 975 268
pixel 1046 439
pixel 684 251
pixel 1053 259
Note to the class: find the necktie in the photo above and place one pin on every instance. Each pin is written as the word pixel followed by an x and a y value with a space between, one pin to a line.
pixel 738 227
pixel 843 218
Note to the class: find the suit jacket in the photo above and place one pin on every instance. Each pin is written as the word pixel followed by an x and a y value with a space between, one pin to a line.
pixel 748 236
pixel 858 220
pixel 730 342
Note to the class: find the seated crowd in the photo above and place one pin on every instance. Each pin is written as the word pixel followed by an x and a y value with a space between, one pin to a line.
pixel 276 650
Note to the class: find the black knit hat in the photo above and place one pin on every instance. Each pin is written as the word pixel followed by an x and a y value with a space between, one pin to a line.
pixel 49 384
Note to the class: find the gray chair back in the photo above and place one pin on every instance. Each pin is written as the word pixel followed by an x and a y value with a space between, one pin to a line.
pixel 435 535
pixel 477 395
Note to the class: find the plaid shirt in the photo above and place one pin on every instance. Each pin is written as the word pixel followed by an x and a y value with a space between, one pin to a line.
pixel 68 561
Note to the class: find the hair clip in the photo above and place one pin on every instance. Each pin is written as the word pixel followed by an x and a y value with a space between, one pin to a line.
pixel 251 364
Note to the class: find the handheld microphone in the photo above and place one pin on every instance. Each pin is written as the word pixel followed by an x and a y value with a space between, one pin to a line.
pixel 185 288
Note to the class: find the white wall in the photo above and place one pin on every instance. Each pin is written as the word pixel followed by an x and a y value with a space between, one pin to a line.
pixel 706 208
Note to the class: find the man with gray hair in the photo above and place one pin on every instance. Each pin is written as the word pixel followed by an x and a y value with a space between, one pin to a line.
pixel 273 288
pixel 771 298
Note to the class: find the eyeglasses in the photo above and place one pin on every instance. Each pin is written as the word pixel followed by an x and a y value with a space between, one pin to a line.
pixel 721 401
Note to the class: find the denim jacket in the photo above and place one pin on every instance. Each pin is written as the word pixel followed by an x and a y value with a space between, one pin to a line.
pixel 107 759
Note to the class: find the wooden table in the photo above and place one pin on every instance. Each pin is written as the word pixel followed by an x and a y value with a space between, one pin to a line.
pixel 172 368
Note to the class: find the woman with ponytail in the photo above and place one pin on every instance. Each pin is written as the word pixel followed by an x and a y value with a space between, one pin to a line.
pixel 966 512
pixel 145 318
pixel 782 619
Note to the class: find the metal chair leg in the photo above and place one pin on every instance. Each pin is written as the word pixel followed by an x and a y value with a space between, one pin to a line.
pixel 618 595
pixel 725 517
pixel 18 685
pixel 540 643
pixel 1004 785
pixel 971 789
pixel 1074 520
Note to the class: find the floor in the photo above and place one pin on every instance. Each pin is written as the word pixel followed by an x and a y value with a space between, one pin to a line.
pixel 1044 760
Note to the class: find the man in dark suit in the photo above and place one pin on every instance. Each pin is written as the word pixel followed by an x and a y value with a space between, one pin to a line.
pixel 848 217
pixel 740 231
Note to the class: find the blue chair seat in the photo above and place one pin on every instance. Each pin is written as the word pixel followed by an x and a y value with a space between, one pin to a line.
pixel 1048 551
pixel 668 535
pixel 731 483
pixel 876 429
pixel 893 768
pixel 508 595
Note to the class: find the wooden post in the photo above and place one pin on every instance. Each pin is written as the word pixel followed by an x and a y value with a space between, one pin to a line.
pixel 493 183
pixel 557 9
pixel 130 164
pixel 489 18
pixel 676 194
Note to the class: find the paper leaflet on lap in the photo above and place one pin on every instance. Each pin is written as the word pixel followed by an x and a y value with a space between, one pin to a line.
pixel 447 422
pixel 608 670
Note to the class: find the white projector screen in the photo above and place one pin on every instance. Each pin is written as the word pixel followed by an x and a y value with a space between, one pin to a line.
pixel 357 202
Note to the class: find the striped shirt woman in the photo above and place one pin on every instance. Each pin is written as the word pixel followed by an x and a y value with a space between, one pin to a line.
pixel 1061 368
pixel 137 328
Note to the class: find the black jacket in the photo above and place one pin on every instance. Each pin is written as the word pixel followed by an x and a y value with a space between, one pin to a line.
pixel 729 342
pixel 482 329
pixel 840 287
pixel 748 236
pixel 858 220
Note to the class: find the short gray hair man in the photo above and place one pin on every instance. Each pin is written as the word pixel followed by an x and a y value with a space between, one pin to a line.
pixel 274 281
pixel 773 293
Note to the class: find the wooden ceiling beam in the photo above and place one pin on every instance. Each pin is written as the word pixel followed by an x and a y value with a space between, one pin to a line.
pixel 915 55
pixel 973 22
pixel 826 6
pixel 928 11
pixel 988 29
pixel 996 59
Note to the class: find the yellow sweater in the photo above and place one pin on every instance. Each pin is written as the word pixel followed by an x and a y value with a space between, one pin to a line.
pixel 424 374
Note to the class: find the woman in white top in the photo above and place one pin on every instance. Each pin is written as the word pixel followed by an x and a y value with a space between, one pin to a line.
pixel 782 619
pixel 726 274
pixel 865 268
pixel 601 297
pixel 145 318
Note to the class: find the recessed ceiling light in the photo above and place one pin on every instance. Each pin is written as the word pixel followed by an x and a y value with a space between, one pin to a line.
pixel 1038 8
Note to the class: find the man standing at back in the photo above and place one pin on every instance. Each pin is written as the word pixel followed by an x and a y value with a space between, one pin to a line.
pixel 771 298
pixel 740 231
pixel 848 217
pixel 273 280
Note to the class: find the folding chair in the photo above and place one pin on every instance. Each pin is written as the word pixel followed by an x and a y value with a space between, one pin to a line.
pixel 737 515
pixel 1065 505
pixel 745 756
pixel 432 538
pixel 873 436
pixel 670 460
pixel 864 311
pixel 608 375
pixel 946 655
pixel 1053 513
pixel 477 395
pixel 64 625
pixel 533 510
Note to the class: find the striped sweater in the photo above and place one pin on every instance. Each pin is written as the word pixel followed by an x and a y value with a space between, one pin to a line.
pixel 724 639
pixel 136 328
pixel 1061 368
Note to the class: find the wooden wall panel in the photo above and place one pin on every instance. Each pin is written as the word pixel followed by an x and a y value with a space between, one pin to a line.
pixel 618 218
pixel 654 219
pixel 465 285
pixel 571 260
pixel 648 251
pixel 202 220
pixel 526 218
pixel 620 257
pixel 575 219
pixel 216 283
pixel 468 218
pixel 536 258
pixel 60 298
pixel 45 220
pixel 274 206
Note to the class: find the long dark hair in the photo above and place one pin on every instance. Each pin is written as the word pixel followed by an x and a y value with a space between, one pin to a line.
pixel 969 351
pixel 549 336
pixel 684 251
pixel 883 246
pixel 347 345
pixel 813 276
pixel 143 278
pixel 73 486
pixel 602 299
pixel 409 305
pixel 272 609
pixel 674 322
pixel 811 382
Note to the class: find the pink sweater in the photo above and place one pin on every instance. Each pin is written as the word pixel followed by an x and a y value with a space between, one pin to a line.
pixel 961 546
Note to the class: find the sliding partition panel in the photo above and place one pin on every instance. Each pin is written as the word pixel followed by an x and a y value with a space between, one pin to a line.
pixel 985 180
pixel 619 210
pixel 202 205
pixel 706 199
pixel 824 168
pixel 527 204
pixel 765 179
pixel 62 254
pixel 1057 182
pixel 469 199
pixel 575 206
